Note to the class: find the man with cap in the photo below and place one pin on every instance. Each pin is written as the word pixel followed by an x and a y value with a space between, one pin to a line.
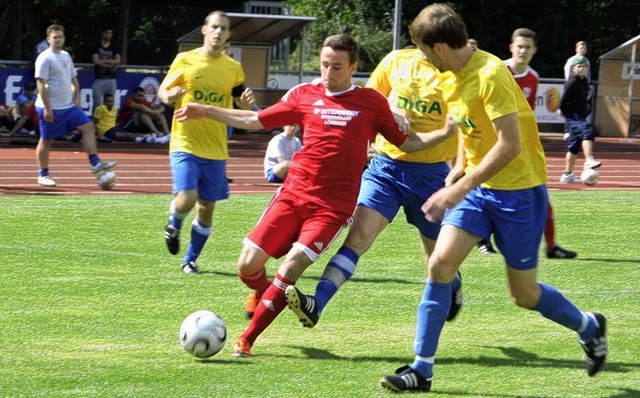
pixel 575 106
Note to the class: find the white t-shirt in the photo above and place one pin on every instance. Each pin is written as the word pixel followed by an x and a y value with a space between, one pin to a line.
pixel 280 146
pixel 58 70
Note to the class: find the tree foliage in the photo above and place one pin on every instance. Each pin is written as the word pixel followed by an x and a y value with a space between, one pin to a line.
pixel 149 28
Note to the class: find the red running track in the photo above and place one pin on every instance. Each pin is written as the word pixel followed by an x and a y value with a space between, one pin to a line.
pixel 144 168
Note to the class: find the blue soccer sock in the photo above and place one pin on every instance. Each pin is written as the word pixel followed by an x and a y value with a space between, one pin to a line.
pixel 94 159
pixel 175 217
pixel 43 172
pixel 339 270
pixel 555 306
pixel 199 236
pixel 432 314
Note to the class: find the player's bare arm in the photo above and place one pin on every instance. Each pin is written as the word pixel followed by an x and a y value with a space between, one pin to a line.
pixel 503 152
pixel 401 118
pixel 170 96
pixel 76 91
pixel 43 91
pixel 459 164
pixel 420 140
pixel 232 117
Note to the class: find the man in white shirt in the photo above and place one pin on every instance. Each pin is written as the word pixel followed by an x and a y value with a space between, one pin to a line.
pixel 58 105
pixel 279 153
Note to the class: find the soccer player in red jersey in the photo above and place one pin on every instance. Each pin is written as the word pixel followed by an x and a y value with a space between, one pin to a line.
pixel 316 201
pixel 523 47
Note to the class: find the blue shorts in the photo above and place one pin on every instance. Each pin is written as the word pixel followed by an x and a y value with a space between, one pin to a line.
pixel 208 177
pixel 388 184
pixel 271 177
pixel 579 130
pixel 515 218
pixel 64 120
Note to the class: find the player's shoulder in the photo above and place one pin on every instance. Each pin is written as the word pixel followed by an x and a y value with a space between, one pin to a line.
pixel 314 86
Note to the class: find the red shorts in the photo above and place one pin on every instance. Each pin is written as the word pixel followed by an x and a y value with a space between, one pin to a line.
pixel 284 223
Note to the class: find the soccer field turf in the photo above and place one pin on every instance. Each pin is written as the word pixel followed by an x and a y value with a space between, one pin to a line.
pixel 91 303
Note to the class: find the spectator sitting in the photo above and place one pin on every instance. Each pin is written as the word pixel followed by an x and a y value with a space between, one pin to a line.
pixel 104 118
pixel 26 97
pixel 279 153
pixel 28 122
pixel 6 120
pixel 138 115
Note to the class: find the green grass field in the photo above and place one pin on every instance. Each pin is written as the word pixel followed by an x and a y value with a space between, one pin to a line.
pixel 91 303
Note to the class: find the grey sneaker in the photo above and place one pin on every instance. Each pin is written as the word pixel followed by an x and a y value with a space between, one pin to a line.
pixel 303 306
pixel 46 181
pixel 591 163
pixel 190 268
pixel 406 379
pixel 596 348
pixel 102 166
pixel 570 179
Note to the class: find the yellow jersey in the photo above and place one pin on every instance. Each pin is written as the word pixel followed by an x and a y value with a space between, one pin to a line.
pixel 411 83
pixel 208 81
pixel 106 118
pixel 485 90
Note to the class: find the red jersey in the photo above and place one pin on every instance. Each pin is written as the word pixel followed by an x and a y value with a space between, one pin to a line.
pixel 528 82
pixel 126 112
pixel 337 130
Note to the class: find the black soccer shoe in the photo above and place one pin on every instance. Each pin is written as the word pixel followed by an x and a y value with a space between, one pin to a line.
pixel 303 306
pixel 596 348
pixel 406 379
pixel 172 238
pixel 560 252
pixel 456 300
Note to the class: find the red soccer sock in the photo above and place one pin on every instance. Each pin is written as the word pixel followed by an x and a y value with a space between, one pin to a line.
pixel 257 282
pixel 550 229
pixel 271 305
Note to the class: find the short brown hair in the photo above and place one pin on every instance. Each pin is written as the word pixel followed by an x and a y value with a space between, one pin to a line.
pixel 54 28
pixel 525 32
pixel 439 23
pixel 221 14
pixel 343 42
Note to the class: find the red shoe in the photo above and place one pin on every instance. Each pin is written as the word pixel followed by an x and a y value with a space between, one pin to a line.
pixel 242 348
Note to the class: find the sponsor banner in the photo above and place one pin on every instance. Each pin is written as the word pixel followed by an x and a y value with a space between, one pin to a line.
pixel 547 100
pixel 548 103
pixel 12 81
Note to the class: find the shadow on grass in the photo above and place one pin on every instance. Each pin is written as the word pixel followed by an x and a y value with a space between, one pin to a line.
pixel 610 260
pixel 512 357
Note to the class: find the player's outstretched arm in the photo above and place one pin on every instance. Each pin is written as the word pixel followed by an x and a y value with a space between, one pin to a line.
pixel 232 117
pixel 419 141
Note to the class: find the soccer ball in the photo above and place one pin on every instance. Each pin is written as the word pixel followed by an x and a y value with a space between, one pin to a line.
pixel 203 334
pixel 106 179
pixel 590 177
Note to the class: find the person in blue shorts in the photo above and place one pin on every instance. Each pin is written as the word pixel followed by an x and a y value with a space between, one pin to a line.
pixel 393 180
pixel 497 186
pixel 58 105
pixel 198 150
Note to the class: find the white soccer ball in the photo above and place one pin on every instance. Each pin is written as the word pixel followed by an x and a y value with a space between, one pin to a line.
pixel 106 180
pixel 203 334
pixel 590 177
